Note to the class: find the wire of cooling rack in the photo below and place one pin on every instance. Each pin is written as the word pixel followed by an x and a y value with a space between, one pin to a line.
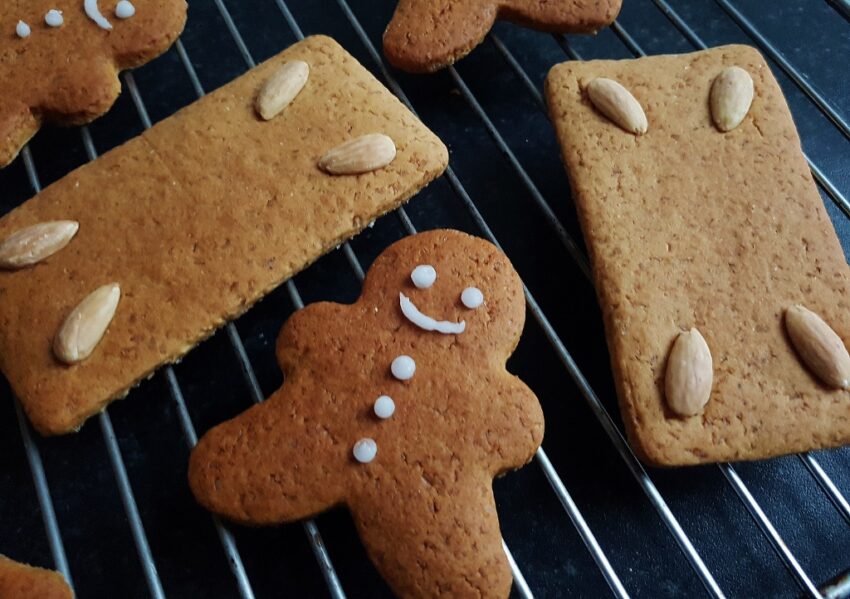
pixel 604 417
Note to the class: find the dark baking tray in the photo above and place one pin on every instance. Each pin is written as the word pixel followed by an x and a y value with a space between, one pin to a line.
pixel 502 174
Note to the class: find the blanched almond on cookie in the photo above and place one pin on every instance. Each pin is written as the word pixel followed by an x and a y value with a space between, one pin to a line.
pixel 818 346
pixel 360 155
pixel 689 374
pixel 281 88
pixel 33 244
pixel 731 97
pixel 86 324
pixel 618 104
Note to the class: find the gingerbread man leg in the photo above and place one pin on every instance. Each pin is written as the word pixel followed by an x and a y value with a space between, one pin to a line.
pixel 421 546
pixel 426 36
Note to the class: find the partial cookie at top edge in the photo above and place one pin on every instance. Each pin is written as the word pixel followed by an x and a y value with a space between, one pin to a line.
pixel 68 75
pixel 426 36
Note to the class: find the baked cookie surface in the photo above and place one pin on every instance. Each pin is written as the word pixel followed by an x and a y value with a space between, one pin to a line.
pixel 20 581
pixel 690 227
pixel 197 219
pixel 418 482
pixel 68 74
pixel 427 35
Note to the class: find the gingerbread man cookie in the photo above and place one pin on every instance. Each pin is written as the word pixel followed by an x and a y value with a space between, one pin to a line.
pixel 59 59
pixel 23 581
pixel 427 35
pixel 399 408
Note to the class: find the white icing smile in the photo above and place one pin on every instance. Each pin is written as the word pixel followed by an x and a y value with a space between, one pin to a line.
pixel 93 12
pixel 423 321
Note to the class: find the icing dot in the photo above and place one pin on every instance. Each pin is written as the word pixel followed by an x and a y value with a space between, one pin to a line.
pixel 423 276
pixel 472 297
pixel 384 407
pixel 22 29
pixel 125 9
pixel 54 18
pixel 403 368
pixel 365 450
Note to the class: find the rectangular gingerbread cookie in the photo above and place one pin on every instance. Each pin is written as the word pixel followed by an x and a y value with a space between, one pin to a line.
pixel 690 227
pixel 197 219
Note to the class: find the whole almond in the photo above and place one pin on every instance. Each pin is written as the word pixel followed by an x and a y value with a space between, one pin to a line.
pixel 86 324
pixel 33 244
pixel 731 97
pixel 360 155
pixel 689 374
pixel 618 104
pixel 818 346
pixel 281 88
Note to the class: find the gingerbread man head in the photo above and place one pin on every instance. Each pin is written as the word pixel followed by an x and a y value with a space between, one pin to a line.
pixel 427 35
pixel 59 59
pixel 399 408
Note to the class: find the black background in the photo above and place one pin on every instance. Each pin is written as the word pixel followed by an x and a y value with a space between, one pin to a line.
pixel 102 556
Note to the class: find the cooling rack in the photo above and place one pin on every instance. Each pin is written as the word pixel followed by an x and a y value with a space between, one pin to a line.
pixel 110 508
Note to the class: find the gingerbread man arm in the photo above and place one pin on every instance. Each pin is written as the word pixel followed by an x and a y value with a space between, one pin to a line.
pixel 427 35
pixel 268 466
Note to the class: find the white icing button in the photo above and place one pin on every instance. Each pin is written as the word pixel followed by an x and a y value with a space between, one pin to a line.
pixel 54 18
pixel 365 450
pixel 125 9
pixel 403 368
pixel 384 407
pixel 472 297
pixel 22 29
pixel 423 276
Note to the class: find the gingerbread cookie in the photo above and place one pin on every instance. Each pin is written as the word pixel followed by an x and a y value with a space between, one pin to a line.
pixel 20 581
pixel 706 231
pixel 129 261
pixel 59 59
pixel 399 408
pixel 427 35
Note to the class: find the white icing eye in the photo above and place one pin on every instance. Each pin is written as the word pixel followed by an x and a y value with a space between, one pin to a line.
pixel 403 368
pixel 384 407
pixel 365 450
pixel 423 276
pixel 54 18
pixel 472 297
pixel 22 29
pixel 125 9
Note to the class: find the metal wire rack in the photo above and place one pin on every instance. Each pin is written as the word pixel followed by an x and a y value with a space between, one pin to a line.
pixel 779 528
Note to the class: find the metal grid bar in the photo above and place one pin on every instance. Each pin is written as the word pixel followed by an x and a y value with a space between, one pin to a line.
pixel 767 527
pixel 841 6
pixel 45 502
pixel 228 543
